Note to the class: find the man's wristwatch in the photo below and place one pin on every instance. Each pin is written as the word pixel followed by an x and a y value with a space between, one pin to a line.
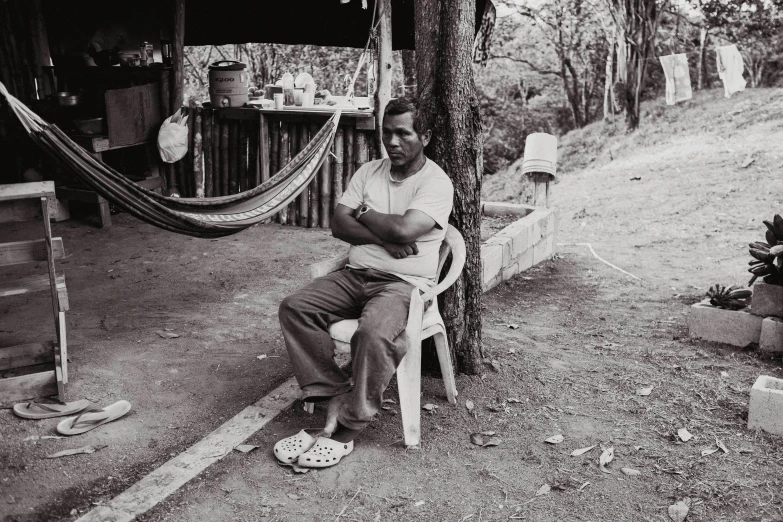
pixel 362 210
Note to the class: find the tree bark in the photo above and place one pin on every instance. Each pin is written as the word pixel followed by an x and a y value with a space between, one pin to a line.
pixel 444 41
pixel 701 68
pixel 609 82
pixel 408 71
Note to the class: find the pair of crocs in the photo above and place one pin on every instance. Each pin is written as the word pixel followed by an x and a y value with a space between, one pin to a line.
pixel 311 452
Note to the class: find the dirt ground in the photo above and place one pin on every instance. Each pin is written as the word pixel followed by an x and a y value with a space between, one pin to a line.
pixel 573 340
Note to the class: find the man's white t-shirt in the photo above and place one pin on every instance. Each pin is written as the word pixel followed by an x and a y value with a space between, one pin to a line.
pixel 429 190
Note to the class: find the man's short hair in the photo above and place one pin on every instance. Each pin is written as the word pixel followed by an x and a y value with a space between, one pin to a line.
pixel 404 105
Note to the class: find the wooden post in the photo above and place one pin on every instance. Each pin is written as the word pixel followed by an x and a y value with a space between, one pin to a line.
pixel 216 170
pixel 293 207
pixel 349 167
pixel 362 152
pixel 304 199
pixel 233 154
pixel 206 134
pixel 178 55
pixel 274 146
pixel 224 158
pixel 383 89
pixel 188 170
pixel 165 106
pixel 198 171
pixel 314 195
pixel 337 169
pixel 541 182
pixel 243 155
pixel 253 175
pixel 325 184
pixel 263 149
pixel 284 155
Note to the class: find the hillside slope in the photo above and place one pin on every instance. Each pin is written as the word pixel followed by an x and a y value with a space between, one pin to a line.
pixel 683 133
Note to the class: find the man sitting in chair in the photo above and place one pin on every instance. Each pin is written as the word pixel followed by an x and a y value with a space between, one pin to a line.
pixel 394 214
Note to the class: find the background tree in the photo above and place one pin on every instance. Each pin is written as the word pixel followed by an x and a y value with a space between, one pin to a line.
pixel 444 43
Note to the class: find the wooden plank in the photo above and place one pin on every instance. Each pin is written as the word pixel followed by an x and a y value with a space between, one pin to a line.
pixel 304 199
pixel 19 210
pixel 350 165
pixel 242 156
pixel 50 261
pixel 198 159
pixel 28 284
pixel 293 207
pixel 26 355
pixel 314 190
pixel 72 194
pixel 32 386
pixel 337 168
pixel 284 154
pixel 224 157
pixel 178 53
pixel 385 63
pixel 253 146
pixel 274 147
pixel 36 189
pixel 216 161
pixel 28 251
pixel 325 185
pixel 61 354
pixel 150 183
pixel 165 107
pixel 233 157
pixel 206 136
pixel 263 148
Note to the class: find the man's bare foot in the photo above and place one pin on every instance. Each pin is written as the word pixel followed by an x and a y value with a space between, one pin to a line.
pixel 332 410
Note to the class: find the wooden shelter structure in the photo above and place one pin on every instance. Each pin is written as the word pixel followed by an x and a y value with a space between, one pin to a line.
pixel 43 51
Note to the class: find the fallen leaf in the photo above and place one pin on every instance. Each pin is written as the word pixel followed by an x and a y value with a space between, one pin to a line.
pixel 42 437
pixel 630 472
pixel 477 439
pixel 167 335
pixel 678 511
pixel 418 503
pixel 543 490
pixel 76 451
pixel 748 161
pixel 488 433
pixel 555 439
pixel 724 374
pixel 293 496
pixel 583 486
pixel 721 445
pixel 512 350
pixel 644 392
pixel 606 457
pixel 684 435
pixel 708 451
pixel 469 405
pixel 493 441
pixel 429 407
pixel 513 326
pixel 261 357
pixel 512 400
pixel 581 451
pixel 389 401
pixel 495 365
pixel 245 448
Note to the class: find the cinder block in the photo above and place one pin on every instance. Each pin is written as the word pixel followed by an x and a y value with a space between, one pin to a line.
pixel 543 249
pixel 767 300
pixel 525 261
pixel 505 243
pixel 519 243
pixel 766 405
pixel 491 262
pixel 734 327
pixel 771 335
pixel 510 271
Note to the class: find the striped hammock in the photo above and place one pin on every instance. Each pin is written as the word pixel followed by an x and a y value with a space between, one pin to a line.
pixel 198 217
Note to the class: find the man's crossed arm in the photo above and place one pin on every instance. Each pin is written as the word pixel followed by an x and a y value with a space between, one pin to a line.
pixel 397 234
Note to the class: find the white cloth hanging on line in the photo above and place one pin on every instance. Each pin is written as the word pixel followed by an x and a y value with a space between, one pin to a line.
pixel 730 68
pixel 678 78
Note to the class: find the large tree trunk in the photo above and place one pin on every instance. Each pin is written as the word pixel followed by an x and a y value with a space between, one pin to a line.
pixel 444 40
pixel 408 72
pixel 609 82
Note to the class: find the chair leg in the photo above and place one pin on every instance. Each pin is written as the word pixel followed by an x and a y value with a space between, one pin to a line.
pixel 409 383
pixel 446 368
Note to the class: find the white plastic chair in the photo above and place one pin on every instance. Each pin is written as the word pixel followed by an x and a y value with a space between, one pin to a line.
pixel 421 325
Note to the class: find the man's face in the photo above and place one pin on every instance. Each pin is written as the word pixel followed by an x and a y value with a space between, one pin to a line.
pixel 401 141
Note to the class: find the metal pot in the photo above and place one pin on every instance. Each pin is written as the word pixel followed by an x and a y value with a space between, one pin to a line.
pixel 68 99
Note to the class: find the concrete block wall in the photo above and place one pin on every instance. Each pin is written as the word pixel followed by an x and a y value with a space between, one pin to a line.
pixel 524 243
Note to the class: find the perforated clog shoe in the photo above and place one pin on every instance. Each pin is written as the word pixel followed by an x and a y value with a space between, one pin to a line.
pixel 287 450
pixel 324 453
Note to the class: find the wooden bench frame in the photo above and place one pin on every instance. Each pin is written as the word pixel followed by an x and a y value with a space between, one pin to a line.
pixel 49 249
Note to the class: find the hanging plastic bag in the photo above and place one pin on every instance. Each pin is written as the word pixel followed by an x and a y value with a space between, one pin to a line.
pixel 173 138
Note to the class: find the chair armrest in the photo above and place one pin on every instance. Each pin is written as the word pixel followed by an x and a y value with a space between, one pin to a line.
pixel 458 255
pixel 328 266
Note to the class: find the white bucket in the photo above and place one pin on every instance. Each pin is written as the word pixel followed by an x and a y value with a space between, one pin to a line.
pixel 542 147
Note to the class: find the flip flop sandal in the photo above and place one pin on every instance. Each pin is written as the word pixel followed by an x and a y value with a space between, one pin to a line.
pixel 287 450
pixel 93 418
pixel 325 453
pixel 41 410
